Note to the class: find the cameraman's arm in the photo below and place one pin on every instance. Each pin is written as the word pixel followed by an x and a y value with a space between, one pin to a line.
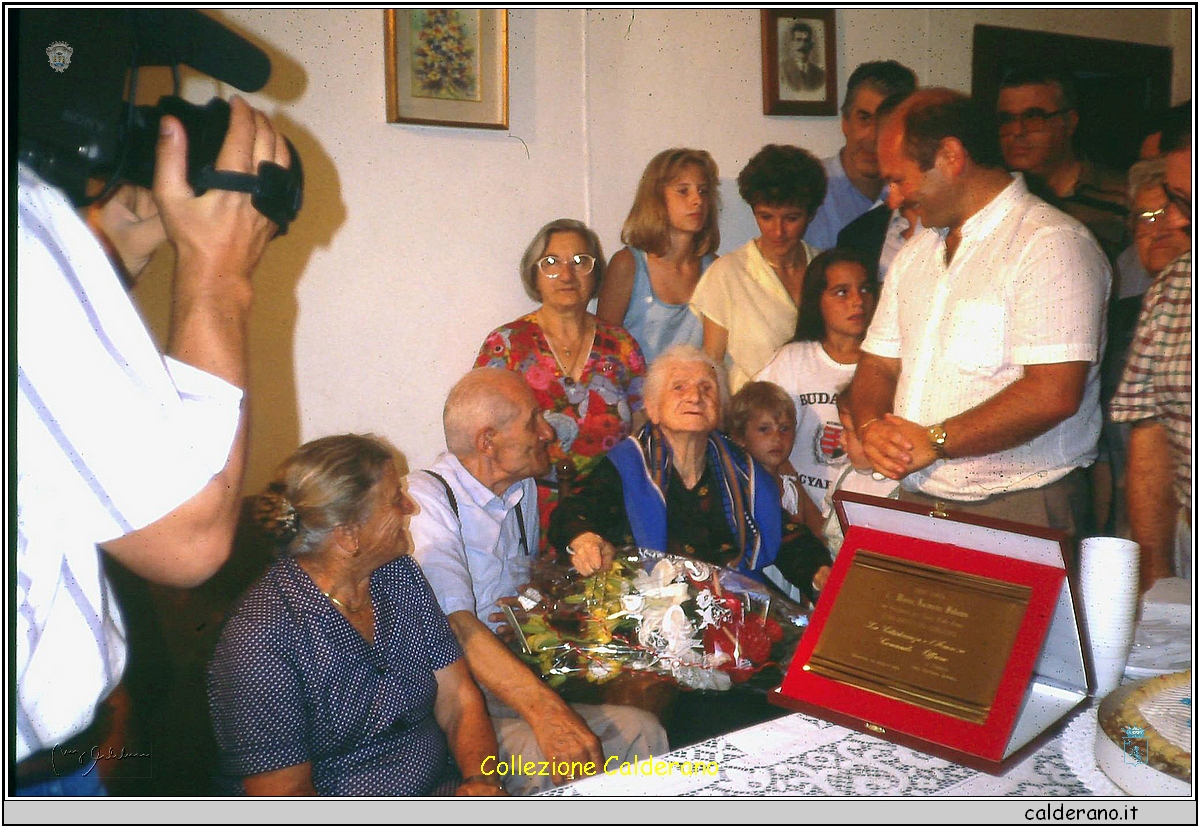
pixel 218 240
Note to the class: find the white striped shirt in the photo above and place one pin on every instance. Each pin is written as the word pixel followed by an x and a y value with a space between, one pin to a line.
pixel 110 437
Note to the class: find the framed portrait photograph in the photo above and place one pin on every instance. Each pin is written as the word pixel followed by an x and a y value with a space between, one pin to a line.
pixel 447 67
pixel 799 55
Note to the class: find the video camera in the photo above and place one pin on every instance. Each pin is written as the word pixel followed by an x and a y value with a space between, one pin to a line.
pixel 76 123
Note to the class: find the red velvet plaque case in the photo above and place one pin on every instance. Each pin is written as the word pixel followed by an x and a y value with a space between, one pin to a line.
pixel 949 633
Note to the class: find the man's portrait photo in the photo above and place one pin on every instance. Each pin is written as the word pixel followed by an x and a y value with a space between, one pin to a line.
pixel 801 67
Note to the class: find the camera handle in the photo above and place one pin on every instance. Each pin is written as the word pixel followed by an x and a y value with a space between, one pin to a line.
pixel 275 191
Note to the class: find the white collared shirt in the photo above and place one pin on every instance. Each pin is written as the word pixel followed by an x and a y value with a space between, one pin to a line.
pixel 111 436
pixel 476 559
pixel 1027 286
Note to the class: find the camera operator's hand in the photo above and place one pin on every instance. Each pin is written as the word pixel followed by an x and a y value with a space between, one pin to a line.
pixel 218 237
pixel 129 223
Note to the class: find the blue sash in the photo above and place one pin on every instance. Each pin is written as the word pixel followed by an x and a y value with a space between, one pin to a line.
pixel 748 494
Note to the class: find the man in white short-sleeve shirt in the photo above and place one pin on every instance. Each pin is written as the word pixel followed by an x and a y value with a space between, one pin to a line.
pixel 979 382
pixel 119 447
pixel 475 535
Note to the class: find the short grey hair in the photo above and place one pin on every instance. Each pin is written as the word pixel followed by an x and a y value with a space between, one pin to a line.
pixel 656 377
pixel 537 249
pixel 477 401
pixel 1151 172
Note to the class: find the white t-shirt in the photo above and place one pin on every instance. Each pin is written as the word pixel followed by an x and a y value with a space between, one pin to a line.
pixel 812 379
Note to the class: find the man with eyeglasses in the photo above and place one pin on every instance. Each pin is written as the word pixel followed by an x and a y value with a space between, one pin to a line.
pixel 1155 393
pixel 1037 116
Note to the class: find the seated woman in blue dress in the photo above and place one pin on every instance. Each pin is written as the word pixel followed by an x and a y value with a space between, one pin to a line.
pixel 682 487
pixel 337 673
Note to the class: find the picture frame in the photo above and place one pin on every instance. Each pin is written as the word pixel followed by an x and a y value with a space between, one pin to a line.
pixel 447 67
pixel 799 54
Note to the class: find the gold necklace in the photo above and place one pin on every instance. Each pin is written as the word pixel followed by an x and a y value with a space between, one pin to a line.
pixel 359 608
pixel 562 366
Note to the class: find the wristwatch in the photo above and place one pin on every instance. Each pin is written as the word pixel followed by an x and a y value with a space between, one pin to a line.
pixel 937 436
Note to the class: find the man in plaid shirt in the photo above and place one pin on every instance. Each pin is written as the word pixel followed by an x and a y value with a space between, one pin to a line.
pixel 1155 393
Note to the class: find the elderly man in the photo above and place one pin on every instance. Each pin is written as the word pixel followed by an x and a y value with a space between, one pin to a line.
pixel 1156 244
pixel 854 181
pixel 1037 118
pixel 1155 393
pixel 475 537
pixel 979 382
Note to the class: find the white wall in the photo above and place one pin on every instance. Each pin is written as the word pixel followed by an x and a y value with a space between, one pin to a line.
pixel 404 256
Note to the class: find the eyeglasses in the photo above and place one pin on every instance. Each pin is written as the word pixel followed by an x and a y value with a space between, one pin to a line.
pixel 554 266
pixel 1031 120
pixel 1148 220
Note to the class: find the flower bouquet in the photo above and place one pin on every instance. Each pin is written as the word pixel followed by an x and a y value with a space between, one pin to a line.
pixel 696 625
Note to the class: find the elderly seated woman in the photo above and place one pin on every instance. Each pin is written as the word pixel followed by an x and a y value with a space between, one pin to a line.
pixel 337 673
pixel 682 487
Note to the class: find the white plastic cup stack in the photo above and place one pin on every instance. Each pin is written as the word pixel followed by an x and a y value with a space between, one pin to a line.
pixel 1108 579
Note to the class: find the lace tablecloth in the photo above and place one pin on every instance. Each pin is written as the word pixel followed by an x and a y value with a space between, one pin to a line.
pixel 802 756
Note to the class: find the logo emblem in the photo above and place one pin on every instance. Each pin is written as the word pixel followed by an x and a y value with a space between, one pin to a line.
pixel 1134 745
pixel 827 444
pixel 60 55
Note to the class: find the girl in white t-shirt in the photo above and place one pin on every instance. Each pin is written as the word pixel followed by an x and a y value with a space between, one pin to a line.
pixel 836 303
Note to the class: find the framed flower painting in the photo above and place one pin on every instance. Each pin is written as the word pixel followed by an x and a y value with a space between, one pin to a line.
pixel 447 67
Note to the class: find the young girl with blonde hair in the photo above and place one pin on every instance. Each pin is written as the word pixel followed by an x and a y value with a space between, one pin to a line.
pixel 672 237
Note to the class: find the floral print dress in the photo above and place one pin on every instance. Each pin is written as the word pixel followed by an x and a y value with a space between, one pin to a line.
pixel 589 416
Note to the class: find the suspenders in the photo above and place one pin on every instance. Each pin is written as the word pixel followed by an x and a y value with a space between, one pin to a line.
pixel 454 506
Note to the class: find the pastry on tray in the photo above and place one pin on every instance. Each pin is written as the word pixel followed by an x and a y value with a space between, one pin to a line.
pixel 1150 725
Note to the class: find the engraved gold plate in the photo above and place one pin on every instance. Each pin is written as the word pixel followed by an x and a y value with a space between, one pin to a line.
pixel 921 634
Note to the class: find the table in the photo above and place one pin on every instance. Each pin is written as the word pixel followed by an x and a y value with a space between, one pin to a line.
pixel 801 755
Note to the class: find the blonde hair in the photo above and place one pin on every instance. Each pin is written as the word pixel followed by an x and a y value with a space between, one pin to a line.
pixel 754 397
pixel 326 483
pixel 648 227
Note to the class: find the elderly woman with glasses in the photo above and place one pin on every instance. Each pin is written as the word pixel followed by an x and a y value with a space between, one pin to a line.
pixel 682 487
pixel 585 373
pixel 338 674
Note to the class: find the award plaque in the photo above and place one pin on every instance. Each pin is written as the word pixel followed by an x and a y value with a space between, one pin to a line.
pixel 926 635
pixel 945 632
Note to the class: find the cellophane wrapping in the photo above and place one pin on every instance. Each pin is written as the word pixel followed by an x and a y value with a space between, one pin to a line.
pixel 690 623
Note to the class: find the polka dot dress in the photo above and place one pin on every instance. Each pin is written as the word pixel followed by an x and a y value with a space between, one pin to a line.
pixel 292 681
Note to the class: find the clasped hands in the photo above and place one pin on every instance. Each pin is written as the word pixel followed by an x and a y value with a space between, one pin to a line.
pixel 896 447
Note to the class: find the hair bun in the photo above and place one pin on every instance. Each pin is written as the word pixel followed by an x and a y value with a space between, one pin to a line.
pixel 276 514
